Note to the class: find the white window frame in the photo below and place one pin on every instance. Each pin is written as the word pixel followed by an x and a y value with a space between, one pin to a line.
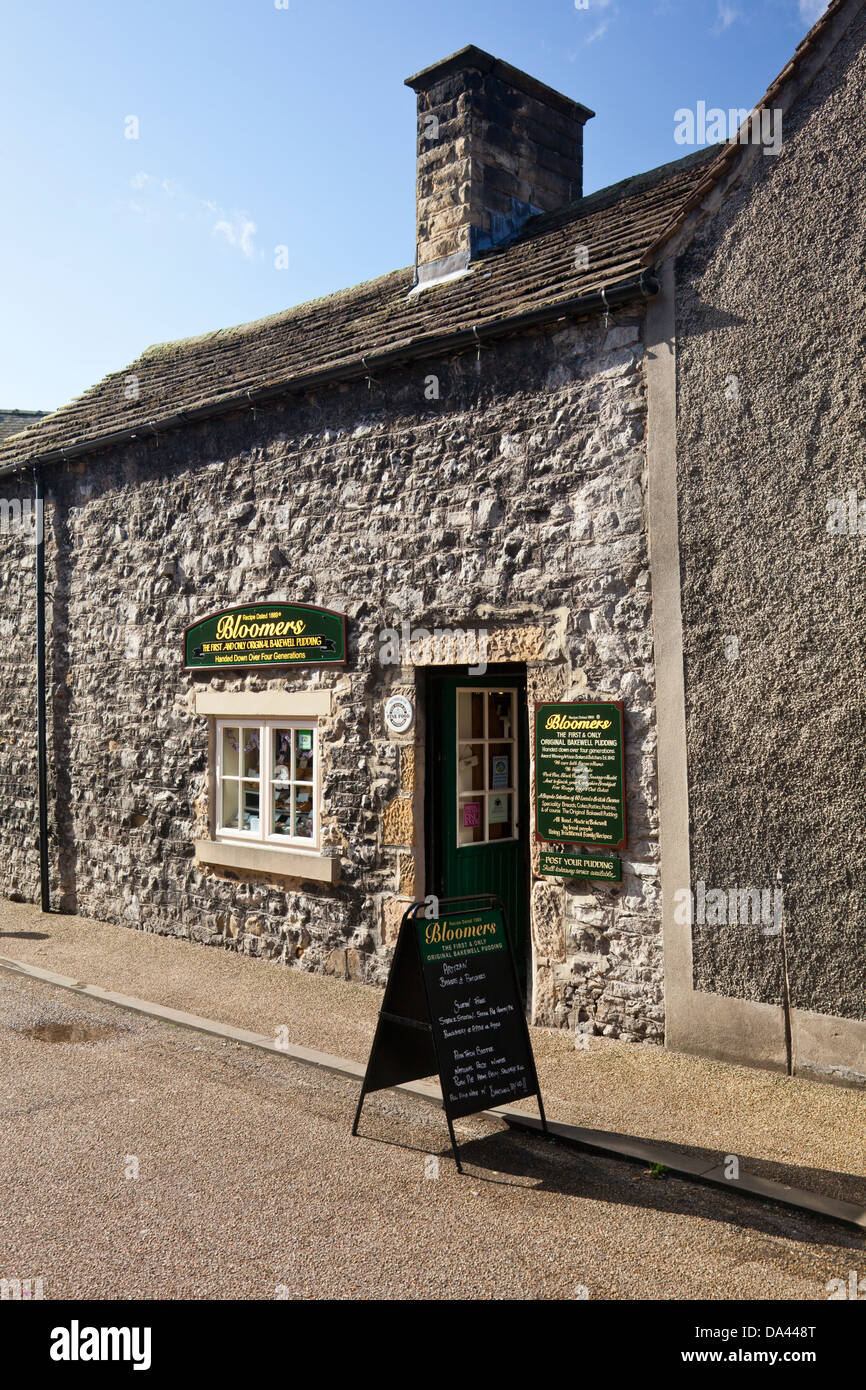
pixel 265 835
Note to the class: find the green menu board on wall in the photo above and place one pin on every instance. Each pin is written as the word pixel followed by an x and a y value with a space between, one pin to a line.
pixel 580 774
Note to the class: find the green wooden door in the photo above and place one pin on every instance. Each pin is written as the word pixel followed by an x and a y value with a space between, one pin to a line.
pixel 478 802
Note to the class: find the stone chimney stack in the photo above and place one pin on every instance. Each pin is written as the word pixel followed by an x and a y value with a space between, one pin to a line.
pixel 494 147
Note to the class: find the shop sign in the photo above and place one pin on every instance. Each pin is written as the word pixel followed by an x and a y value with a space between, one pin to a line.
pixel 580 774
pixel 580 866
pixel 266 634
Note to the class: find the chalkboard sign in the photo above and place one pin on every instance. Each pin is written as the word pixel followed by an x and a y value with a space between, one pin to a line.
pixel 452 1005
pixel 580 774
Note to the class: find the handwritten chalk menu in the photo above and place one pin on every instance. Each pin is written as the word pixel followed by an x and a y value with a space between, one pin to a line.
pixel 476 1014
pixel 579 774
pixel 452 1005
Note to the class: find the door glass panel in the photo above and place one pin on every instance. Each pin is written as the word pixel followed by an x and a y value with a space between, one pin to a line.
pixel 470 820
pixel 499 816
pixel 470 714
pixel 501 714
pixel 470 767
pixel 499 764
pixel 486 766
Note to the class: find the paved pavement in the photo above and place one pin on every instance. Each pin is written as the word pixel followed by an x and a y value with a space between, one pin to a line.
pixel 249 1185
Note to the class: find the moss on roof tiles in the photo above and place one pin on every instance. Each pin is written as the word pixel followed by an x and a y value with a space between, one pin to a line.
pixel 537 270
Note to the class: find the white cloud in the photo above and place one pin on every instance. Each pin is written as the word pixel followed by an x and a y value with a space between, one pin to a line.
pixel 728 15
pixel 597 8
pixel 810 10
pixel 235 226
pixel 238 232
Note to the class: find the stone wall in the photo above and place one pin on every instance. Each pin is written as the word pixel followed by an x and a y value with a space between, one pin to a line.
pixel 19 860
pixel 771 404
pixel 502 489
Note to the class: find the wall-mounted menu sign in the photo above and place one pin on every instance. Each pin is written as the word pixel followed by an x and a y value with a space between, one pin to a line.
pixel 452 1005
pixel 266 634
pixel 580 774
pixel 569 865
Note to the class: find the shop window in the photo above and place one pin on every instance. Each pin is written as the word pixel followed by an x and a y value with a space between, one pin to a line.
pixel 267 782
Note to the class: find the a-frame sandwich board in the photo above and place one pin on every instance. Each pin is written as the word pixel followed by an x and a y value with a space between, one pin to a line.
pixel 480 1049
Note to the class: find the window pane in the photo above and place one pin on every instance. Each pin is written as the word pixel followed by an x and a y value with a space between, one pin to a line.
pixel 499 816
pixel 470 714
pixel 251 752
pixel 501 714
pixel 499 766
pixel 470 767
pixel 282 755
pixel 230 805
pixel 470 820
pixel 230 753
pixel 304 812
pixel 282 801
pixel 304 755
pixel 251 806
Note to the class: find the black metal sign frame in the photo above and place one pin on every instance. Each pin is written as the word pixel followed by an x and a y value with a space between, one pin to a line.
pixel 404 1046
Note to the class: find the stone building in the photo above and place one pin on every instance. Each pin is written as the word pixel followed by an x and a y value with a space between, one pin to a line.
pixel 582 450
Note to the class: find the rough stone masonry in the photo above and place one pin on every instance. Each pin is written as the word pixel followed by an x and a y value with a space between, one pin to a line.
pixel 513 501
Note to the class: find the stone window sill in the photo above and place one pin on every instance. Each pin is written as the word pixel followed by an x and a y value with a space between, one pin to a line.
pixel 261 859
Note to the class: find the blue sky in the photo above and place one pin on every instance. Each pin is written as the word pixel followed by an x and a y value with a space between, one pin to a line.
pixel 261 127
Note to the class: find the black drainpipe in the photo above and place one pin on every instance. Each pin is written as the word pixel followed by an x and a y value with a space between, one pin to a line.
pixel 41 740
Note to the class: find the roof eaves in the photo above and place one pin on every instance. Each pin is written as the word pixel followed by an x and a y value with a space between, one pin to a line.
pixel 633 287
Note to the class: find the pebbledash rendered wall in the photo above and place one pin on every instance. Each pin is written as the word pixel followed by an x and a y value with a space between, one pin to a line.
pixel 512 503
pixel 771 306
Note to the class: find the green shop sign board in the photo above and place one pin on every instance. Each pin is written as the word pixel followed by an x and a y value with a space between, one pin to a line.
pixel 266 634
pixel 580 866
pixel 580 774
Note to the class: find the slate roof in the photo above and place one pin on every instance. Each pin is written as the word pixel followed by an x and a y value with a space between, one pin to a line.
pixel 535 272
pixel 13 421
